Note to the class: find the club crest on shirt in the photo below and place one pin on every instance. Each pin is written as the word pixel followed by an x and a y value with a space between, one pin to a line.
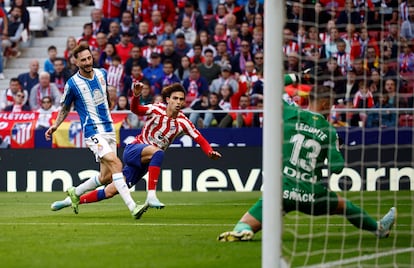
pixel 98 97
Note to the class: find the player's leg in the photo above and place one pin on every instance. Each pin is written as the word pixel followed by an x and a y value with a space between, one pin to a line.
pixel 154 157
pixel 362 220
pixel 248 225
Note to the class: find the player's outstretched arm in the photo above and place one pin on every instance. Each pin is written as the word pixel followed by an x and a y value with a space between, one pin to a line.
pixel 63 113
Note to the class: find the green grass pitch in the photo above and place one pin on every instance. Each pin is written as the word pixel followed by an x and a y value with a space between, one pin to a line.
pixel 184 233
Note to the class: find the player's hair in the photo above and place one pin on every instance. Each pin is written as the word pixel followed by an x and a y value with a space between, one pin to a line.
pixel 78 49
pixel 168 90
pixel 320 92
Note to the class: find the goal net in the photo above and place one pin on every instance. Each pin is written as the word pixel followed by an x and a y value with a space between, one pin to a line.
pixel 363 51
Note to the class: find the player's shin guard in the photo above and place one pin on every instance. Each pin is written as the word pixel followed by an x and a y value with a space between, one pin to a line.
pixel 359 218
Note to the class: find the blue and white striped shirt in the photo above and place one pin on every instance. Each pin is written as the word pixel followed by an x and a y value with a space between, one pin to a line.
pixel 90 101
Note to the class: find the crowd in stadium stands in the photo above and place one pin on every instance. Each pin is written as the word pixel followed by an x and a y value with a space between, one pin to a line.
pixel 361 49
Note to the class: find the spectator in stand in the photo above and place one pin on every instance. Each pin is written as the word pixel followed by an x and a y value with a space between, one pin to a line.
pixel 248 78
pixel 154 71
pixel 18 104
pixel 233 42
pixel 197 54
pixel 188 31
pixel 166 7
pixel 238 62
pixel 30 79
pixel 134 7
pixel 375 85
pixel 70 45
pixel 225 94
pixel 135 77
pixel 127 24
pixel 48 64
pixel 251 8
pixel 96 55
pixel 221 48
pixel 204 39
pixel 168 77
pixel 25 13
pixel 208 69
pixel 87 36
pixel 367 41
pixel 363 99
pixel 393 96
pixel 406 59
pixel 195 86
pixel 7 96
pixel 231 23
pixel 239 119
pixel 348 15
pixel 407 26
pixel 183 70
pixel 42 89
pixel 294 15
pixel 198 104
pixel 168 34
pixel 135 59
pixel 224 79
pixel 386 71
pixel 123 48
pixel 99 23
pixel 60 74
pixel 359 69
pixel 245 33
pixel 3 24
pixel 212 119
pixel 382 118
pixel 106 56
pixel 258 22
pixel 219 17
pixel 219 33
pixel 114 35
pixel 343 58
pixel 196 20
pixel 257 44
pixel 111 9
pixel 289 43
pixel 258 61
pixel 151 47
pixel 101 41
pixel 168 53
pixel 156 25
pixel 45 113
pixel 112 97
pixel 181 47
pixel 331 48
pixel 371 59
pixel 143 34
pixel 15 26
pixel 115 74
pixel 393 39
pixel 71 65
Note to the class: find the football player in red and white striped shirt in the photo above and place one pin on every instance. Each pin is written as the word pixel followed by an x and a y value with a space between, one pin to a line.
pixel 145 154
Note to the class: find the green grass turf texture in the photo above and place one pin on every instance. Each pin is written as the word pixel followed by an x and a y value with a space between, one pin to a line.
pixel 181 235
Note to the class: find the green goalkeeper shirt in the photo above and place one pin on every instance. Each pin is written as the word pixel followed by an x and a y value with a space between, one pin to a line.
pixel 309 139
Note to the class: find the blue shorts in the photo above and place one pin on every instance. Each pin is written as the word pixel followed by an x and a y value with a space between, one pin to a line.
pixel 133 169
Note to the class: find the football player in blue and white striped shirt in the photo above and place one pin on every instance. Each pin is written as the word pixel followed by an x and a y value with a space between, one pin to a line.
pixel 87 91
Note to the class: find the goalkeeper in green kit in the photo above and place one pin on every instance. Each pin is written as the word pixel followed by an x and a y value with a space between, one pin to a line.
pixel 308 140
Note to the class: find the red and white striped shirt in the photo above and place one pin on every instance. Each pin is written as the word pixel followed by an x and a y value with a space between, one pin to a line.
pixel 161 130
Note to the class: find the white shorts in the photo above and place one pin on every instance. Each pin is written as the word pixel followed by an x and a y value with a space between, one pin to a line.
pixel 102 144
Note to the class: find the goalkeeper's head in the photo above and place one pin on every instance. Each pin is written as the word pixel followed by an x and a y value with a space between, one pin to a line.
pixel 320 100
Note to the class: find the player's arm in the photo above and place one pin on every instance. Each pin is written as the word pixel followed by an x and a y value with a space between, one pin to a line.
pixel 336 161
pixel 63 113
pixel 136 108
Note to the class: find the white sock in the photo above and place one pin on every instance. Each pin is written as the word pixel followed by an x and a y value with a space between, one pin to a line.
pixel 67 201
pixel 123 190
pixel 151 194
pixel 89 184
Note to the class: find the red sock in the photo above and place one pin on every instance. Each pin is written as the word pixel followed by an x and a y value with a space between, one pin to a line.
pixel 153 174
pixel 89 197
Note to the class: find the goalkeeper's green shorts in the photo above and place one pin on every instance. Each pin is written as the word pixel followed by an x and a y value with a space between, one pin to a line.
pixel 306 197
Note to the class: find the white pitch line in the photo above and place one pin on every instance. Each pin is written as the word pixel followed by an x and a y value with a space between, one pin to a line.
pixel 361 258
pixel 111 223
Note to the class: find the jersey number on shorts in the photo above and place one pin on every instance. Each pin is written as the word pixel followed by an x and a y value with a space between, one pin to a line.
pixel 313 147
